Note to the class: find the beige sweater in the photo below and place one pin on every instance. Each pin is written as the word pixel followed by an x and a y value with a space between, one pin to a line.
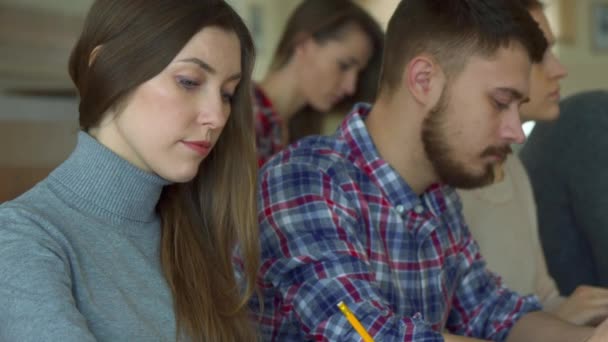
pixel 502 218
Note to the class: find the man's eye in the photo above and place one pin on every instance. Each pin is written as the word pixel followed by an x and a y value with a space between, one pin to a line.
pixel 501 105
pixel 343 66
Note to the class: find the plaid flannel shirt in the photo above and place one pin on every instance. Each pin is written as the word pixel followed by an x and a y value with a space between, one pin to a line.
pixel 268 127
pixel 338 223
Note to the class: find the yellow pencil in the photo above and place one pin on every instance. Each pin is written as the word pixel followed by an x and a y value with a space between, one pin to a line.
pixel 355 322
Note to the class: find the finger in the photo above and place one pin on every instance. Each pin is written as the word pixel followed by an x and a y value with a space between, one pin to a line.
pixel 598 291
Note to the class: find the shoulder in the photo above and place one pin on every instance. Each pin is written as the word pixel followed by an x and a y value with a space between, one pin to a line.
pixel 316 155
pixel 311 176
pixel 580 116
pixel 32 218
pixel 585 106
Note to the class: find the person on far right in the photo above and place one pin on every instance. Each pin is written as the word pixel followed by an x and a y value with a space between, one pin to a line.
pixel 502 217
pixel 567 164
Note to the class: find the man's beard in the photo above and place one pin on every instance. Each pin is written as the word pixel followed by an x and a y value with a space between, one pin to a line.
pixel 442 156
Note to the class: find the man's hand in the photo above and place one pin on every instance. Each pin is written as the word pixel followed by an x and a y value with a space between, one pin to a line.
pixel 600 334
pixel 587 305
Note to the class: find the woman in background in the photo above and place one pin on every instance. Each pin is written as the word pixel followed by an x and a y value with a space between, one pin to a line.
pixel 329 55
pixel 131 238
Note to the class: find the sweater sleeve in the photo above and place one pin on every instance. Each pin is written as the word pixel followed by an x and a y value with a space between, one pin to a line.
pixel 35 284
pixel 544 285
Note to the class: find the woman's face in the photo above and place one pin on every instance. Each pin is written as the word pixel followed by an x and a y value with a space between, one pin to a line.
pixel 328 71
pixel 170 123
pixel 544 79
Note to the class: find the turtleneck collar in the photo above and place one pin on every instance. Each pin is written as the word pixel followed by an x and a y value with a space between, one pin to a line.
pixel 105 184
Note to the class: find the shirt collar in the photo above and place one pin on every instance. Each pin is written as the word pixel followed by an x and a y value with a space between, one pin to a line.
pixel 364 154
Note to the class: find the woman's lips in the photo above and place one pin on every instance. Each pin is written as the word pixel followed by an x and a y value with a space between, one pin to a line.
pixel 200 147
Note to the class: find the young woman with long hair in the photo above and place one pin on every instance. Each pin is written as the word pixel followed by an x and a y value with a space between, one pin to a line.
pixel 327 58
pixel 131 238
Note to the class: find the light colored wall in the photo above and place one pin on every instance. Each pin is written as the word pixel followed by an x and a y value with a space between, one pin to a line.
pixel 266 19
pixel 588 69
pixel 381 10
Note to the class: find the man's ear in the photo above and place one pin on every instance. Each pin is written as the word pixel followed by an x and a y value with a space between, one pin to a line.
pixel 94 54
pixel 424 79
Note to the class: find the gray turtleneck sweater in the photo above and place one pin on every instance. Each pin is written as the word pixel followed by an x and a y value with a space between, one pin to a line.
pixel 80 255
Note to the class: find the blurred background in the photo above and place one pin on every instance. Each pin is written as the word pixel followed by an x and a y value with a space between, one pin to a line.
pixel 38 106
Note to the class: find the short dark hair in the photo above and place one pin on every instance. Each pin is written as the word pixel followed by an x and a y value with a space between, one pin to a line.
pixel 453 30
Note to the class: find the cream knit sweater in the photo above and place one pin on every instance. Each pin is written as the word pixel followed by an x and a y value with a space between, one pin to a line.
pixel 502 218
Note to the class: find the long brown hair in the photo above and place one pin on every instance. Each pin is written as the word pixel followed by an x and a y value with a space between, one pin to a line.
pixel 325 20
pixel 204 219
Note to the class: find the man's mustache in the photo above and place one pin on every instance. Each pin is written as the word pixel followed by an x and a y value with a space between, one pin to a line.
pixel 497 151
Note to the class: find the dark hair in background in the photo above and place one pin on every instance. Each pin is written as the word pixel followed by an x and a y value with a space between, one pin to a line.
pixel 453 30
pixel 530 4
pixel 326 20
pixel 204 219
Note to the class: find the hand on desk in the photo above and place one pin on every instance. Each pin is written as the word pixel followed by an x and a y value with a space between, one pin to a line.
pixel 600 334
pixel 587 305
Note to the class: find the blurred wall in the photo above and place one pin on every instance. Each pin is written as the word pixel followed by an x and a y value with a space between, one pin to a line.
pixel 36 132
pixel 36 135
pixel 587 66
pixel 266 20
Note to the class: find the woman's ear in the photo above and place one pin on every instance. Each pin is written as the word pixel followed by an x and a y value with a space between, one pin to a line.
pixel 94 54
pixel 304 43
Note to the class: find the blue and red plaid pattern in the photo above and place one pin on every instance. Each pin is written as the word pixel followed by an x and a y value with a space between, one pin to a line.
pixel 268 127
pixel 338 223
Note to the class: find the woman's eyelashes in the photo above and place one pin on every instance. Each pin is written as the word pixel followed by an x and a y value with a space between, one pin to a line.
pixel 227 97
pixel 187 83
pixel 190 84
pixel 344 66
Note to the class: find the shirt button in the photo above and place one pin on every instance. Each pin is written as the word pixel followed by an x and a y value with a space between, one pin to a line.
pixel 418 209
pixel 400 209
